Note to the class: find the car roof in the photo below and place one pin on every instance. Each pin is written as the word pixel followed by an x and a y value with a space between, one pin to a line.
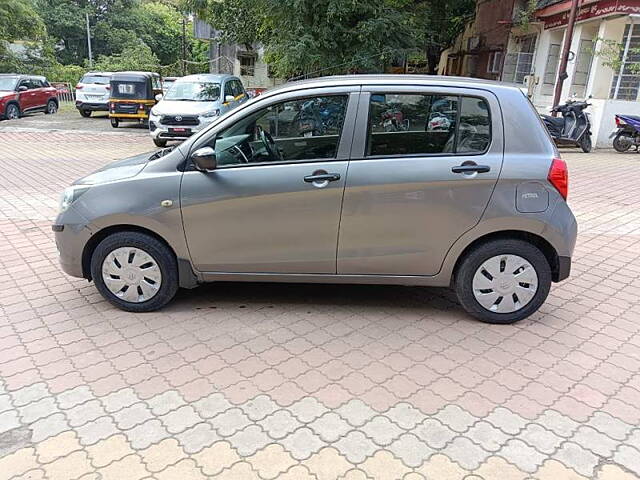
pixel 21 75
pixel 134 73
pixel 207 77
pixel 392 79
pixel 106 74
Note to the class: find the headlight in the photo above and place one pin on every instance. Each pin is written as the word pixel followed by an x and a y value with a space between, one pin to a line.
pixel 211 114
pixel 153 113
pixel 70 195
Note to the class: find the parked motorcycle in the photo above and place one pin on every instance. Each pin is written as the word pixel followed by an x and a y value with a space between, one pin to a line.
pixel 627 133
pixel 573 127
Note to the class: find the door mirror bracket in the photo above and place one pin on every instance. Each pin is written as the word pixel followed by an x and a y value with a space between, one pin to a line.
pixel 204 159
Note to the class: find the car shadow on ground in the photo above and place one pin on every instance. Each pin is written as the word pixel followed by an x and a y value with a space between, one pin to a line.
pixel 252 295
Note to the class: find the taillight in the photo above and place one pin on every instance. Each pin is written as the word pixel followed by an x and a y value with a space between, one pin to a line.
pixel 617 121
pixel 141 107
pixel 78 87
pixel 559 176
pixel 108 87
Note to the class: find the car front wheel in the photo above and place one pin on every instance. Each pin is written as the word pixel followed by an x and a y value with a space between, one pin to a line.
pixel 503 281
pixel 12 112
pixel 85 113
pixel 134 271
pixel 115 122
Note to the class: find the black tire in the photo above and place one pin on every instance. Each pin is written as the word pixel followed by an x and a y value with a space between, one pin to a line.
pixel 163 256
pixel 622 143
pixel 467 268
pixel 12 112
pixel 585 143
pixel 52 107
pixel 159 142
pixel 114 122
pixel 85 113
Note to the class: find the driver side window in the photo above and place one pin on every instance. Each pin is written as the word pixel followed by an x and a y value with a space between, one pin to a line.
pixel 295 130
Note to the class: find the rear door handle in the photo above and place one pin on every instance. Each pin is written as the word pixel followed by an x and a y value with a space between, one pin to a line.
pixel 471 169
pixel 322 177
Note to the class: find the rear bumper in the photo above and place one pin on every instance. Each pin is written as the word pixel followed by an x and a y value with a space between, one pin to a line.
pixel 92 106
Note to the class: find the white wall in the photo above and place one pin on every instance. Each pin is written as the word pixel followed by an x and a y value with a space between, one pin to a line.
pixel 604 112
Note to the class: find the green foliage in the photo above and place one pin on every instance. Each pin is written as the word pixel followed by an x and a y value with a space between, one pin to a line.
pixel 133 57
pixel 19 21
pixel 612 52
pixel 525 16
pixel 337 36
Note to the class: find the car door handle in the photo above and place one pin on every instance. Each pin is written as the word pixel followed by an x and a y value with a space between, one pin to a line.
pixel 322 177
pixel 471 169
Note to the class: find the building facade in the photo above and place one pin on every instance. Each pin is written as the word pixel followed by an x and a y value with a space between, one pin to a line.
pixel 604 58
pixel 244 61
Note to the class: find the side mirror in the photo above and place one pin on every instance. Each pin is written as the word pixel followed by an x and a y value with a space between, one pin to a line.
pixel 22 88
pixel 159 97
pixel 229 98
pixel 205 159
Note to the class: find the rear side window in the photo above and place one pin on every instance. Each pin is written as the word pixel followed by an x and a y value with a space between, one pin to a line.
pixel 426 124
pixel 95 79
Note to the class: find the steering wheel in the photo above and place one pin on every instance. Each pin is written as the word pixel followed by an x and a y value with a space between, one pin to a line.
pixel 270 144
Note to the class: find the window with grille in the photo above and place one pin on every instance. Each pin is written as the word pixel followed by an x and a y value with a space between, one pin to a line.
pixel 626 81
pixel 247 65
pixel 495 62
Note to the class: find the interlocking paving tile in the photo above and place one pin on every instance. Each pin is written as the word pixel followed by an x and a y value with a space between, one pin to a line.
pixel 323 382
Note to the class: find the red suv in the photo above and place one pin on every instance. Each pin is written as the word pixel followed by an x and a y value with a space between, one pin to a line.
pixel 24 94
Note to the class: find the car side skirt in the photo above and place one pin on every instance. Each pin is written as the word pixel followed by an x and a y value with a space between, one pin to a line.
pixel 432 281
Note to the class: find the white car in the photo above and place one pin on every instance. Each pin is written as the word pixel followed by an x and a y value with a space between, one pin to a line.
pixel 193 103
pixel 92 93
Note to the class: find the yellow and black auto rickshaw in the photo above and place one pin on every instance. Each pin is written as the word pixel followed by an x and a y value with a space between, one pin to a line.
pixel 132 96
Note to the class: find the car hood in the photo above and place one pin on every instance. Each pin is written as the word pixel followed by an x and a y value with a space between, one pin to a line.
pixel 7 93
pixel 173 107
pixel 119 170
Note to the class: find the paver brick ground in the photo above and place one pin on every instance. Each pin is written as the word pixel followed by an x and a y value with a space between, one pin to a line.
pixel 323 382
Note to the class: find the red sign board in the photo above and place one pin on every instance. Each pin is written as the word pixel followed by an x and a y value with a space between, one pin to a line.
pixel 593 10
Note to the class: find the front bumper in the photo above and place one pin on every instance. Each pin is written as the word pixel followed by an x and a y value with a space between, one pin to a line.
pixel 564 269
pixel 167 132
pixel 92 106
pixel 72 233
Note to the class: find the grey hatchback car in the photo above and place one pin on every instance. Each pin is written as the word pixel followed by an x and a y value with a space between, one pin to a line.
pixel 370 179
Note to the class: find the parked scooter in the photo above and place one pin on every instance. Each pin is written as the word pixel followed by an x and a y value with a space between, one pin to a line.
pixel 627 133
pixel 573 127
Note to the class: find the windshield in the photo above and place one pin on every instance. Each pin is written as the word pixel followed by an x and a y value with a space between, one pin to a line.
pixel 8 83
pixel 97 79
pixel 124 89
pixel 193 92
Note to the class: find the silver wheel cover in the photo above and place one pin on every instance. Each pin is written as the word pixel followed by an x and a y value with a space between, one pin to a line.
pixel 505 283
pixel 131 274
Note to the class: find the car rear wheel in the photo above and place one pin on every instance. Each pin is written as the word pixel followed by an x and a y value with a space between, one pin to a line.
pixel 134 271
pixel 12 112
pixel 85 113
pixel 503 281
pixel 622 142
pixel 52 107
pixel 159 142
pixel 115 122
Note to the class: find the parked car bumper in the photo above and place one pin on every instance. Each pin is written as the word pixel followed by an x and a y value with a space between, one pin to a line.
pixel 174 132
pixel 92 106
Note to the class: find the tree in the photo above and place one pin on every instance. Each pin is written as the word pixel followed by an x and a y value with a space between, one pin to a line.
pixel 19 21
pixel 337 36
pixel 133 57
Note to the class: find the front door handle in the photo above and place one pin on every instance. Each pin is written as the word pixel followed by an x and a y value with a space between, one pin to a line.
pixel 322 177
pixel 471 169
